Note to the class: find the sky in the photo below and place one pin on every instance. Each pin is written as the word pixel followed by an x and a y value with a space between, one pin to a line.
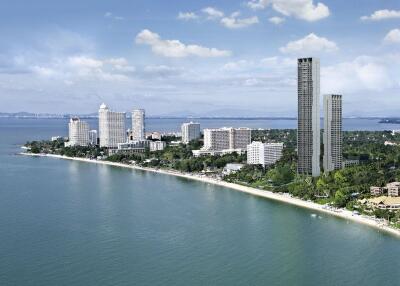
pixel 200 58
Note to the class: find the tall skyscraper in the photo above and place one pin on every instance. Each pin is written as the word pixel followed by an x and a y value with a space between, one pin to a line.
pixel 190 131
pixel 111 127
pixel 78 132
pixel 332 132
pixel 308 122
pixel 138 124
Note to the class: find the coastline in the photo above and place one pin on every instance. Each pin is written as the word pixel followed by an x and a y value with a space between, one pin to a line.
pixel 341 213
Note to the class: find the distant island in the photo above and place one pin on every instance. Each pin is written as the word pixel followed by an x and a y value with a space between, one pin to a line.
pixel 390 120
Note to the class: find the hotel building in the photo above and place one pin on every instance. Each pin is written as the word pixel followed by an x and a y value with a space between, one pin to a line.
pixel 111 127
pixel 308 124
pixel 265 154
pixel 332 132
pixel 78 132
pixel 190 131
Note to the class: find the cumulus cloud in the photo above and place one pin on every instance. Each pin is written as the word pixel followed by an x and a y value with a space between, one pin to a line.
pixel 363 73
pixel 85 62
pixel 392 37
pixel 234 22
pixel 301 9
pixel 187 16
pixel 276 20
pixel 309 44
pixel 175 48
pixel 212 13
pixel 382 15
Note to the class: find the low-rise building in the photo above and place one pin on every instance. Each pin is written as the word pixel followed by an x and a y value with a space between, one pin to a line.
pixel 157 145
pixel 131 147
pixel 349 163
pixel 265 154
pixel 202 152
pixel 232 168
pixel 393 189
pixel 376 191
pixel 383 202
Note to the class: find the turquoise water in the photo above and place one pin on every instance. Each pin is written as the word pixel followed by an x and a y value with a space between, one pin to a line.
pixel 72 223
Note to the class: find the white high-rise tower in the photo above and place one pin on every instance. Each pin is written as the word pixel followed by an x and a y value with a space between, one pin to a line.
pixel 308 121
pixel 332 132
pixel 190 131
pixel 111 127
pixel 138 124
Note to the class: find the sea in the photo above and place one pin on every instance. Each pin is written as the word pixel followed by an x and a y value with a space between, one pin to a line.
pixel 73 223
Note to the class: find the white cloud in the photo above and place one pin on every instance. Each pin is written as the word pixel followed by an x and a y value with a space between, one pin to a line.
pixel 382 15
pixel 117 61
pixel 175 48
pixel 301 9
pixel 187 16
pixel 212 13
pixel 363 73
pixel 276 20
pixel 85 62
pixel 309 44
pixel 233 22
pixel 393 36
pixel 111 16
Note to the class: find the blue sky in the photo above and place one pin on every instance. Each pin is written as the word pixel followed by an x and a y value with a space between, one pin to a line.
pixel 197 57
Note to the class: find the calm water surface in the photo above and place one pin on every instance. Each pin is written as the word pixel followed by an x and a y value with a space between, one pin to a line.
pixel 72 223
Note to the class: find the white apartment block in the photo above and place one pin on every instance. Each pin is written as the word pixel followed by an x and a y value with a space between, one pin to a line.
pixel 78 133
pixel 226 138
pixel 265 154
pixel 308 122
pixel 332 132
pixel 138 124
pixel 190 131
pixel 93 137
pixel 111 127
pixel 157 145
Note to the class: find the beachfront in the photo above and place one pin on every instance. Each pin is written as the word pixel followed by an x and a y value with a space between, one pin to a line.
pixel 285 198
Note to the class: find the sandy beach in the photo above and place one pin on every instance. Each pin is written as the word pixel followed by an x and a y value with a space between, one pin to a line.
pixel 285 198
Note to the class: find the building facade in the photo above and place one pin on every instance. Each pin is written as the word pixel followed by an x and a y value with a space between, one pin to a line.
pixel 265 154
pixel 190 131
pixel 333 137
pixel 111 127
pixel 138 124
pixel 226 138
pixel 78 132
pixel 308 120
pixel 93 137
pixel 157 145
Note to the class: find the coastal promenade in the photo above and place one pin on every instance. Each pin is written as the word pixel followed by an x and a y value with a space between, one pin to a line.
pixel 285 198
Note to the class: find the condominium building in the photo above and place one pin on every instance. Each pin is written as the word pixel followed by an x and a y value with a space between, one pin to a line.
pixel 265 154
pixel 226 138
pixel 111 127
pixel 78 132
pixel 138 124
pixel 190 131
pixel 332 132
pixel 308 122
pixel 93 137
pixel 393 189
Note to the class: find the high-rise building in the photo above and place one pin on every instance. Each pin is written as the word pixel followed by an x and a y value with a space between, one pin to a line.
pixel 332 132
pixel 93 137
pixel 265 154
pixel 78 132
pixel 308 121
pixel 226 138
pixel 111 127
pixel 138 124
pixel 190 131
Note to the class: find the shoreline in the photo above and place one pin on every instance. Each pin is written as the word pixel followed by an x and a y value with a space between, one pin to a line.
pixel 341 213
